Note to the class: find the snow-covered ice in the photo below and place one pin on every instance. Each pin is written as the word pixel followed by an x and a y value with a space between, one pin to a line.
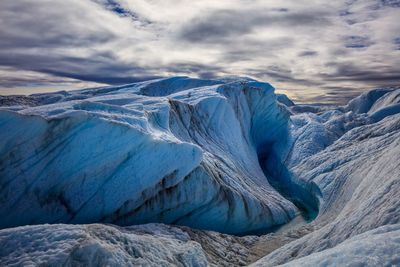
pixel 378 247
pixel 98 245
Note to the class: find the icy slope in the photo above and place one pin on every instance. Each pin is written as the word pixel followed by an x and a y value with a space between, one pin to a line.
pixel 356 180
pixel 313 131
pixel 140 245
pixel 378 247
pixel 117 155
pixel 373 100
pixel 98 245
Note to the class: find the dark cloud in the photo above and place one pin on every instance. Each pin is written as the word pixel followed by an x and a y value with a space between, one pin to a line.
pixel 115 42
pixel 50 40
pixel 357 41
pixel 396 42
pixel 282 9
pixel 342 52
pixel 280 74
pixel 385 3
pixel 194 68
pixel 39 37
pixel 333 95
pixel 344 13
pixel 391 3
pixel 366 74
pixel 218 25
pixel 23 81
pixel 248 50
pixel 308 53
pixel 108 79
pixel 32 25
pixel 100 68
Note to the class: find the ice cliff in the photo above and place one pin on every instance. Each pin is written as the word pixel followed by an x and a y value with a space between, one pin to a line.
pixel 179 150
pixel 321 183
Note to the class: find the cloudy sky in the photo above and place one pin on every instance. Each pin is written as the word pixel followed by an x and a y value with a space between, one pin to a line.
pixel 313 50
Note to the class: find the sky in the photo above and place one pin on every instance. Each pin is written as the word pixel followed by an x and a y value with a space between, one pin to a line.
pixel 314 51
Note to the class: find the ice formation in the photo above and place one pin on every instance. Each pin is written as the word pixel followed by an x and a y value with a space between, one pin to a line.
pixel 98 245
pixel 357 182
pixel 226 155
pixel 129 155
pixel 378 247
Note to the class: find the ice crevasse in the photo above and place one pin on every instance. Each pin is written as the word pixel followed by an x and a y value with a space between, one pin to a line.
pixel 211 154
pixel 180 151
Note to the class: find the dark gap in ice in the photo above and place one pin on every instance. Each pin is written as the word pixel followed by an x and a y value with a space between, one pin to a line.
pixel 301 195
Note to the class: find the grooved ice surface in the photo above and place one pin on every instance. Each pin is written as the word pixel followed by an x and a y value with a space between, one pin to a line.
pixel 98 245
pixel 177 150
pixel 225 155
pixel 357 181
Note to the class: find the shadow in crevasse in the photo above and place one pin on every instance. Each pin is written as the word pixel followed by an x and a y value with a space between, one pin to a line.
pixel 301 194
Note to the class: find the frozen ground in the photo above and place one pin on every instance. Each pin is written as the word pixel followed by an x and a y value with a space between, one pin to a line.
pixel 225 155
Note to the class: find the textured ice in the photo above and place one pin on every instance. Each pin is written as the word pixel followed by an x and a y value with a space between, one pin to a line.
pixel 378 247
pixel 357 183
pixel 98 245
pixel 118 155
pixel 227 155
pixel 107 245
pixel 373 100
pixel 284 100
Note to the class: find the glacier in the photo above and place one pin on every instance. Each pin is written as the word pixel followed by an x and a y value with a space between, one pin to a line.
pixel 190 158
pixel 246 176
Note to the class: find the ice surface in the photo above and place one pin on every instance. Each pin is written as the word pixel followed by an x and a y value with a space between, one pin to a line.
pixel 357 183
pixel 227 155
pixel 98 245
pixel 373 100
pixel 378 247
pixel 116 155
pixel 284 100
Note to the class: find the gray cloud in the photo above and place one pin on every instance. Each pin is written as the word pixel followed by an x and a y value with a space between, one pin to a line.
pixel 308 53
pixel 220 24
pixel 357 41
pixel 29 25
pixel 396 42
pixel 385 3
pixel 354 73
pixel 307 49
pixel 247 50
pixel 100 68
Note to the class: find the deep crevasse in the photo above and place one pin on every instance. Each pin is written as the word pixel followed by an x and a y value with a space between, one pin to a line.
pixel 116 155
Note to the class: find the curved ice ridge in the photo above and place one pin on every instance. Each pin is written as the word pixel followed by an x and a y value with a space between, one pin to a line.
pixel 179 150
